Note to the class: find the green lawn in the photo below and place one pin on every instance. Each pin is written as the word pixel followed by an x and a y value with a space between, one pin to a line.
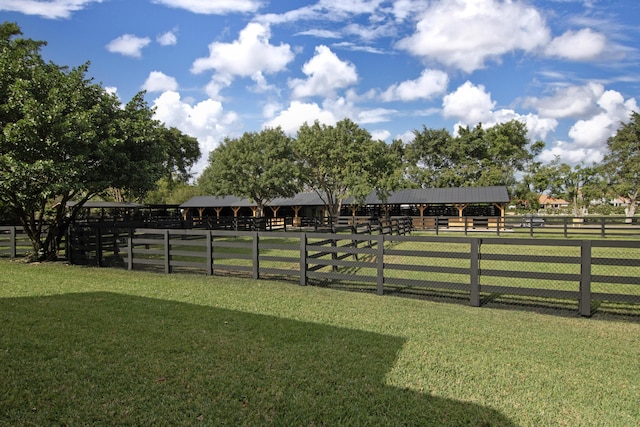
pixel 104 346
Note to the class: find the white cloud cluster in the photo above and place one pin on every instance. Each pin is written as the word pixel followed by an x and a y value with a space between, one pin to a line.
pixel 589 135
pixel 207 121
pixel 326 73
pixel 471 104
pixel 568 101
pixel 160 82
pixel 128 45
pixel 167 39
pixel 429 84
pixel 297 114
pixel 52 9
pixel 213 7
pixel 251 55
pixel 465 34
pixel 582 45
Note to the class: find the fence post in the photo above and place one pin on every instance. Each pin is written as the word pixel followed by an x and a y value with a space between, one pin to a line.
pixel 602 227
pixel 12 242
pixel 167 252
pixel 565 227
pixel 209 254
pixel 130 250
pixel 303 259
pixel 380 264
pixel 256 256
pixel 474 273
pixel 98 229
pixel 585 278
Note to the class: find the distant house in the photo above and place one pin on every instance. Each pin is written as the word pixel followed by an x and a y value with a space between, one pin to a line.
pixel 547 202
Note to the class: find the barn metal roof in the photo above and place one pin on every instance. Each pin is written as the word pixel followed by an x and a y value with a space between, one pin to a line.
pixel 432 196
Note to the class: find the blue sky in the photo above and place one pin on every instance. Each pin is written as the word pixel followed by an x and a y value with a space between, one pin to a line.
pixel 569 69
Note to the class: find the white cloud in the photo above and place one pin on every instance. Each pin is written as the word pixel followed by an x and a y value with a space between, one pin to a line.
pixel 52 9
pixel 167 39
pixel 376 115
pixel 465 34
pixel 128 45
pixel 297 114
pixel 469 103
pixel 213 7
pixel 381 134
pixel 472 104
pixel 571 101
pixel 326 73
pixel 429 84
pixel 594 132
pixel 207 121
pixel 246 57
pixel 589 135
pixel 580 45
pixel 159 82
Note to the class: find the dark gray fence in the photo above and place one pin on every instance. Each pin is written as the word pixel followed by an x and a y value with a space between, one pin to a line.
pixel 586 273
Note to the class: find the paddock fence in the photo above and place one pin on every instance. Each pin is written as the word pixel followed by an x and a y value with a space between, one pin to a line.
pixel 580 274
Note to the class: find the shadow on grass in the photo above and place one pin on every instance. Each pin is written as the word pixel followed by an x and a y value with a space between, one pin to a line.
pixel 102 358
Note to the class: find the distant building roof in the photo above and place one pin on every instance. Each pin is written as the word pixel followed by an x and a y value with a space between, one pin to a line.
pixel 462 195
pixel 106 205
pixel 546 200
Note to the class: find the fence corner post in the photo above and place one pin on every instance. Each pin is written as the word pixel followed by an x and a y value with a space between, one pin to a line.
pixel 167 252
pixel 255 252
pixel 209 253
pixel 474 274
pixel 585 278
pixel 130 250
pixel 303 259
pixel 380 264
pixel 12 242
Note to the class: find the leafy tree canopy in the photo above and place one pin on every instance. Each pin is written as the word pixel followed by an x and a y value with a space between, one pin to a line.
pixel 257 166
pixel 343 161
pixel 65 138
pixel 621 165
pixel 475 157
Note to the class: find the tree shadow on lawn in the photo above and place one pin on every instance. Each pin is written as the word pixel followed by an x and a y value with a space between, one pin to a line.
pixel 102 358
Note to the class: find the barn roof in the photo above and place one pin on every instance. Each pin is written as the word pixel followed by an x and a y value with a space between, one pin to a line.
pixel 462 195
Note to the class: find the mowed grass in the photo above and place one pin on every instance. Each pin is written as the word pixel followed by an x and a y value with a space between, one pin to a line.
pixel 104 346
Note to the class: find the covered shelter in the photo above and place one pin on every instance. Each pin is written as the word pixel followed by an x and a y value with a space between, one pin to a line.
pixel 422 204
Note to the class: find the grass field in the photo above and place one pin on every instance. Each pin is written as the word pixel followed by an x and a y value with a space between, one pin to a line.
pixel 93 346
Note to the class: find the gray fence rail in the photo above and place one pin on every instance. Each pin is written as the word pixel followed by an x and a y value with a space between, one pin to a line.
pixel 585 272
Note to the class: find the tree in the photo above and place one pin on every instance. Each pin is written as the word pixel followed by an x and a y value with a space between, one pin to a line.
pixel 475 157
pixel 621 165
pixel 343 161
pixel 258 166
pixel 570 183
pixel 65 138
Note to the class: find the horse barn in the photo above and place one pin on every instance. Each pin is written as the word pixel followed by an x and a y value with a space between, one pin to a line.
pixel 461 207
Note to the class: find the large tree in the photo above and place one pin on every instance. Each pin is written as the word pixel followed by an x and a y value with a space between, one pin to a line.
pixel 342 161
pixel 621 165
pixel 258 166
pixel 65 138
pixel 474 157
pixel 578 184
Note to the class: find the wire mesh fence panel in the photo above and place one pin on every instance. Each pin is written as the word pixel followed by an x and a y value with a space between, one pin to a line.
pixel 14 242
pixel 530 269
pixel 615 274
pixel 413 263
pixel 233 252
pixel 279 254
pixel 342 258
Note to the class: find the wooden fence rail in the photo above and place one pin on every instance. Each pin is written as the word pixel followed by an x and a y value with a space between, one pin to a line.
pixel 584 272
pixel 587 272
